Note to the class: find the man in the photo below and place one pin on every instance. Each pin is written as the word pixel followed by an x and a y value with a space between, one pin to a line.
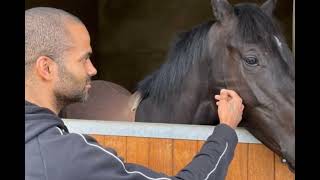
pixel 57 73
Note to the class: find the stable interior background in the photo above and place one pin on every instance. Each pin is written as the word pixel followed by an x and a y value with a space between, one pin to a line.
pixel 130 38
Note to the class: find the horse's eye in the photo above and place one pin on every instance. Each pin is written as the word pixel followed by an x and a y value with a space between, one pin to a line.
pixel 251 60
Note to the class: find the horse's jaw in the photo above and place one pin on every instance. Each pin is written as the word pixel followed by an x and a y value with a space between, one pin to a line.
pixel 270 130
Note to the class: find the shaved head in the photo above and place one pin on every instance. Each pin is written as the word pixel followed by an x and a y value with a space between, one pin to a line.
pixel 46 34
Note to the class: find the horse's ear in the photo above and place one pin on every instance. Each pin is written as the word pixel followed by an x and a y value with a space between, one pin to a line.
pixel 222 9
pixel 268 7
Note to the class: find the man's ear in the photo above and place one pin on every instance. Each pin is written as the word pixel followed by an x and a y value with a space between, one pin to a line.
pixel 45 67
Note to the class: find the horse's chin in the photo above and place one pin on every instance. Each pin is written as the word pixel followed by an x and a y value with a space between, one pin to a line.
pixel 288 152
pixel 290 162
pixel 291 167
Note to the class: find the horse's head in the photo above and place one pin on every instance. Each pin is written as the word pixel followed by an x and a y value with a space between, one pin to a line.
pixel 252 58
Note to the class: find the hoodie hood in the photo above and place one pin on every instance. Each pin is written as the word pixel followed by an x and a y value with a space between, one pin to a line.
pixel 38 120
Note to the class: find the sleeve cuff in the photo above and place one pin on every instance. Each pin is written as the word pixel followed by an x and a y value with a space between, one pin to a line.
pixel 225 132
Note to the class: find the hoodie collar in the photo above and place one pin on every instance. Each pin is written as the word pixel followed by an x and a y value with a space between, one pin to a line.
pixel 39 119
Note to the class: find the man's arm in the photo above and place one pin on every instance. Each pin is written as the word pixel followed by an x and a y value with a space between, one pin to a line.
pixel 213 160
pixel 84 158
pixel 92 161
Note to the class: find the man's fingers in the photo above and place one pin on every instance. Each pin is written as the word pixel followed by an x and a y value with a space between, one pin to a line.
pixel 223 92
pixel 231 93
pixel 224 95
pixel 221 97
pixel 223 101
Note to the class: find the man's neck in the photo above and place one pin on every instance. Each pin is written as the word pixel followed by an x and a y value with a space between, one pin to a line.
pixel 42 98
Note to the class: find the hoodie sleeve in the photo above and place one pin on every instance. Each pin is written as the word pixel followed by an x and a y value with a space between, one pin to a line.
pixel 86 159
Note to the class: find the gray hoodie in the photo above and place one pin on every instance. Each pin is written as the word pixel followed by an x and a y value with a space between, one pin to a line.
pixel 52 153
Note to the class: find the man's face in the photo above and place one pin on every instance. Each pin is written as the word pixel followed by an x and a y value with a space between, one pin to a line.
pixel 73 75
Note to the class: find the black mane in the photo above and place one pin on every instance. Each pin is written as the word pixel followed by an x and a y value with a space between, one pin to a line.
pixel 188 48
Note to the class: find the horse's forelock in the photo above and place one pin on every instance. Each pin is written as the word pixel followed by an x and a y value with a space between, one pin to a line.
pixel 256 27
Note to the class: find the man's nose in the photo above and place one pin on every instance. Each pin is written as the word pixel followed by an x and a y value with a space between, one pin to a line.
pixel 91 69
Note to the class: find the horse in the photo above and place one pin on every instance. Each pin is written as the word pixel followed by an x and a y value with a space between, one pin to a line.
pixel 106 101
pixel 243 50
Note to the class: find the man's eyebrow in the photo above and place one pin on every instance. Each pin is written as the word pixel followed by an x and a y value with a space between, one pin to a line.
pixel 86 55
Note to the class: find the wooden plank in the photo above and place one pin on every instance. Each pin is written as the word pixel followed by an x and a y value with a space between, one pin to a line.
pixel 118 143
pixel 281 170
pixel 138 150
pixel 99 138
pixel 200 144
pixel 238 169
pixel 183 153
pixel 160 155
pixel 260 163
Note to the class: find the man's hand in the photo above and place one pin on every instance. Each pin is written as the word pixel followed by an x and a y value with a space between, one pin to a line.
pixel 230 108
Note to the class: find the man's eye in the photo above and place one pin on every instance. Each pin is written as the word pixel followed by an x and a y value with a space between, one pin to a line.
pixel 86 58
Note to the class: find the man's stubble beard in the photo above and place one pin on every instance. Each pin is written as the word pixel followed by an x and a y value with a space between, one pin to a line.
pixel 68 90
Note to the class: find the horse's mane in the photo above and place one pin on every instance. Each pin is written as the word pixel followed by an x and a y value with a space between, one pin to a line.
pixel 188 48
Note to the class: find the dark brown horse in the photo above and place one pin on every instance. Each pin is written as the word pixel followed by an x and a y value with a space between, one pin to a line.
pixel 106 101
pixel 244 51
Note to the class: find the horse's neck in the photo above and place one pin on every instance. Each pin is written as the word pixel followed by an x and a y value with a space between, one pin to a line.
pixel 193 105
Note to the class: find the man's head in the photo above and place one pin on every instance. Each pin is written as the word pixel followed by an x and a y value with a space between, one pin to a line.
pixel 57 55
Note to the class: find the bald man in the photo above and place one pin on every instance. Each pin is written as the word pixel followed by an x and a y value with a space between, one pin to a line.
pixel 58 70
